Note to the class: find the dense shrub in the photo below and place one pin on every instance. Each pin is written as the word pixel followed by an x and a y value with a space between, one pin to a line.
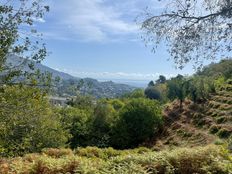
pixel 139 120
pixel 28 124
pixel 82 102
pixel 134 119
pixel 116 103
pixel 77 122
pixel 102 120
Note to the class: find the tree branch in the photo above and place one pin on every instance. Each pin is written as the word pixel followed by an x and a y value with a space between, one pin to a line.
pixel 197 18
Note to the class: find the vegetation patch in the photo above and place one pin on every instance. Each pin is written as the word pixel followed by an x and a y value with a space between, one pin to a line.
pixel 224 133
pixel 202 160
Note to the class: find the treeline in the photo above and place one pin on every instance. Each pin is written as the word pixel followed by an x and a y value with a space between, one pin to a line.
pixel 196 88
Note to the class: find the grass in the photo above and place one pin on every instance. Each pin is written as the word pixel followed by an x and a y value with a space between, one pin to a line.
pixel 201 160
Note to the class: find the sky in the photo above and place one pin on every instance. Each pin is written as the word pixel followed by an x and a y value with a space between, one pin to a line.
pixel 100 39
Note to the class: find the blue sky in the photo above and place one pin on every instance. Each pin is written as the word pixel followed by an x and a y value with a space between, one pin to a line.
pixel 100 39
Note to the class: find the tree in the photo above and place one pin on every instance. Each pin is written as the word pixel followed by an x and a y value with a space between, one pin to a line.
pixel 162 88
pixel 138 121
pixel 18 35
pixel 151 83
pixel 191 90
pixel 77 123
pixel 193 30
pixel 27 122
pixel 103 119
pixel 152 93
pixel 176 88
pixel 161 80
pixel 82 102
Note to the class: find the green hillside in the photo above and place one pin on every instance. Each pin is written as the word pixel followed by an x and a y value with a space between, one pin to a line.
pixel 198 124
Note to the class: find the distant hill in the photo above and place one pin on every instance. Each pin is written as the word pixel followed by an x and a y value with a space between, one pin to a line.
pixel 15 60
pixel 88 86
pixel 70 85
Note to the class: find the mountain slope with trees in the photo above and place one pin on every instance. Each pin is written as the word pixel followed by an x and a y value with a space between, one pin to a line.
pixel 65 85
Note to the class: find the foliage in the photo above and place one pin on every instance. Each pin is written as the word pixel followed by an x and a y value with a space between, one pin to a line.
pixel 116 103
pixel 139 120
pixel 27 121
pixel 151 84
pixel 104 117
pixel 192 30
pixel 100 125
pixel 219 82
pixel 161 80
pixel 199 88
pixel 77 122
pixel 158 90
pixel 202 160
pixel 152 93
pixel 16 31
pixel 176 88
pixel 137 93
pixel 82 102
pixel 218 70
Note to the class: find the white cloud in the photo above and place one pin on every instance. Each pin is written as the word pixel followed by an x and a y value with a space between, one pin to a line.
pixel 39 20
pixel 92 20
pixel 98 20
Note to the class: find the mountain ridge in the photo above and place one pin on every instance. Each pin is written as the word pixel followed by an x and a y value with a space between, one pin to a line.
pixel 68 83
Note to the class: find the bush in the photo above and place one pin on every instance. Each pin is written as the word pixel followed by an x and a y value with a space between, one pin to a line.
pixel 77 123
pixel 103 119
pixel 138 121
pixel 28 123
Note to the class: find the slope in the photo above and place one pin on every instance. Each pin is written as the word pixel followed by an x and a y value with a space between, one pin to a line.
pixel 197 124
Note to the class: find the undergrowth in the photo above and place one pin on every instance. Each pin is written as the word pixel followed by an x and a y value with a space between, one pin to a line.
pixel 201 160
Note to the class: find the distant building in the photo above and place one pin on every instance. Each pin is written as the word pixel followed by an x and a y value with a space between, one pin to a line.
pixel 58 101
